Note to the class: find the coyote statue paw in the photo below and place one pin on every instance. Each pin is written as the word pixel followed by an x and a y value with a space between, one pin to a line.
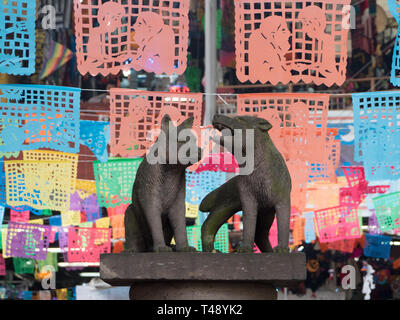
pixel 187 249
pixel 279 249
pixel 244 249
pixel 163 249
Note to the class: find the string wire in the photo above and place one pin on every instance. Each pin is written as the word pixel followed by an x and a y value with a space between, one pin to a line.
pixel 229 94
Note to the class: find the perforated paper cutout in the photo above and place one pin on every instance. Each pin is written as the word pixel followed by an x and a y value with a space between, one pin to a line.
pixel 88 224
pixel 302 118
pixel 114 181
pixel 309 228
pixel 96 136
pixel 378 171
pixel 299 175
pixel 358 187
pixel 117 210
pixel 373 225
pixel 377 246
pixel 237 222
pixel 350 198
pixel 356 192
pixel 337 223
pixel 44 155
pixel 85 188
pixel 324 165
pixel 32 210
pixel 17 37
pixel 192 210
pixel 355 177
pixel 282 41
pixel 325 194
pixel 219 162
pixel 35 116
pixel 75 202
pixel 86 244
pixel 201 216
pixel 134 114
pixel 16 216
pixel 2 266
pixel 45 212
pixel 143 35
pixel 39 184
pixel 194 237
pixel 103 223
pixel 70 218
pixel 346 246
pixel 4 241
pixel 199 185
pixel 24 266
pixel 387 210
pixel 376 133
pixel 27 241
pixel 63 242
pixel 91 207
pixel 8 155
pixel 2 210
pixel 51 260
pixel 273 234
pixel 3 200
pixel 118 226
pixel 221 242
pixel 299 132
pixel 294 213
pixel 210 149
pixel 298 230
pixel 394 6
pixel 53 232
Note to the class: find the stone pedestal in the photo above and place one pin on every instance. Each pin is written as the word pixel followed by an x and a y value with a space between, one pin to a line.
pixel 203 276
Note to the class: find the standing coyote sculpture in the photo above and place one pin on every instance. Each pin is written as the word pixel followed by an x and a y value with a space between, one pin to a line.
pixel 261 195
pixel 157 212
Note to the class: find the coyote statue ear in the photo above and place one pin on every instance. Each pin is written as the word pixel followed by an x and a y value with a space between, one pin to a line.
pixel 187 124
pixel 264 126
pixel 165 123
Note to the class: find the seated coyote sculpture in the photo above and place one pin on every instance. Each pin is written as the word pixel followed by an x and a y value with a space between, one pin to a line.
pixel 157 212
pixel 260 195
